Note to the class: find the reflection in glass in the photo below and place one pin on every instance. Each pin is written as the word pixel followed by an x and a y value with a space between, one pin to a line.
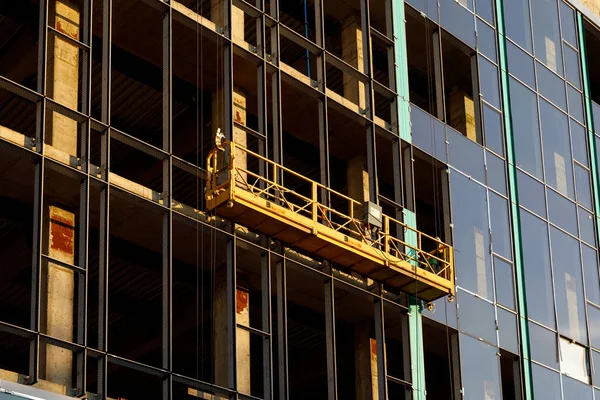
pixel 457 20
pixel 496 172
pixel 480 371
pixel 546 383
pixel 518 27
pixel 471 237
pixel 465 155
pixel 572 66
pixel 567 21
pixel 596 371
pixel 584 194
pixel 551 86
pixel 546 33
pixel 557 149
pixel 573 362
pixel 579 142
pixel 525 129
pixel 488 81
pixel 486 37
pixel 531 194
pixel 594 321
pixel 505 293
pixel 536 263
pixel 476 317
pixel 568 286
pixel 590 269
pixel 492 122
pixel 507 328
pixel 500 226
pixel 543 346
pixel 562 212
pixel 575 103
pixel 485 9
pixel 520 64
pixel 586 226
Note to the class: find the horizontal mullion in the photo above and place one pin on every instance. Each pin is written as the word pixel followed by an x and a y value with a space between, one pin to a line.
pixel 189 167
pixel 63 264
pixel 253 330
pixel 388 41
pixel 247 8
pixel 299 39
pixel 53 105
pixel 384 90
pixel 69 39
pixel 250 130
pixel 20 90
pixel 137 366
pixel 398 381
pixel 345 67
pixel 132 141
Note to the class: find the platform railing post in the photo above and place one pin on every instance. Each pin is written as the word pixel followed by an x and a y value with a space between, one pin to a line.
pixel 386 234
pixel 315 204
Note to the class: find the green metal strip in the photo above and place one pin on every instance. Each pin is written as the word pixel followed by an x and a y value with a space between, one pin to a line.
pixel 589 120
pixel 415 322
pixel 401 66
pixel 514 202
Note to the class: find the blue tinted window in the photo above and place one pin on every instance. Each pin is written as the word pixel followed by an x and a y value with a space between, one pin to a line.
pixel 592 281
pixel 526 132
pixel 536 264
pixel 584 192
pixel 575 389
pixel 458 20
pixel 594 318
pixel 568 286
pixel 485 9
pixel 507 329
pixel 575 103
pixel 505 293
pixel 496 172
pixel 488 78
pixel 557 149
pixel 546 383
pixel 543 348
pixel 579 141
pixel 520 64
pixel 518 27
pixel 428 133
pixel 476 317
pixel 492 127
pixel 562 212
pixel 486 39
pixel 466 155
pixel 551 86
pixel 501 234
pixel 572 66
pixel 546 33
pixel 531 194
pixel 471 237
pixel 567 19
pixel 480 372
pixel 586 226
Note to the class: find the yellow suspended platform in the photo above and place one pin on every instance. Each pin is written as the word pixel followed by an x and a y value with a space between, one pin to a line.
pixel 243 186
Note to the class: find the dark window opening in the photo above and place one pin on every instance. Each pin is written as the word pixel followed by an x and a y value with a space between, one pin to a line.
pixel 510 373
pixel 440 345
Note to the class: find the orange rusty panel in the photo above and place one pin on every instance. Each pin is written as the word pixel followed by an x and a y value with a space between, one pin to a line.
pixel 241 301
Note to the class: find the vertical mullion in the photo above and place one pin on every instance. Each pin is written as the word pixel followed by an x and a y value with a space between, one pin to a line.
pixel 323 117
pixel 380 343
pixel 106 61
pixel 330 339
pixel 231 313
pixel 266 323
pixel 282 328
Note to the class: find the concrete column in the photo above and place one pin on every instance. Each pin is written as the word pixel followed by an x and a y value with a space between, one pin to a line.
pixel 58 287
pixel 237 19
pixel 461 113
pixel 365 363
pixel 242 337
pixel 239 116
pixel 352 53
pixel 63 71
pixel 358 183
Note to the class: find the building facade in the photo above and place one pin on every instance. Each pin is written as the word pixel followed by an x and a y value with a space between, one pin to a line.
pixel 469 122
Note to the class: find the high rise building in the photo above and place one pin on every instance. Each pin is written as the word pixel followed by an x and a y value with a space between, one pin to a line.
pixel 299 199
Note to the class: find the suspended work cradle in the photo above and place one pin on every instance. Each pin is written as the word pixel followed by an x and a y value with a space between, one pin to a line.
pixel 249 189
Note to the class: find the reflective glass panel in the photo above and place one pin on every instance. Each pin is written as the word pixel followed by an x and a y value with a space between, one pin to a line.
pixel 471 237
pixel 505 293
pixel 594 320
pixel 507 327
pixel 496 172
pixel 501 242
pixel 590 269
pixel 536 263
pixel 584 193
pixel 525 128
pixel 575 103
pixel 520 64
pixel 518 27
pixel 531 194
pixel 485 9
pixel 573 363
pixel 596 117
pixel 572 66
pixel 551 86
pixel 562 212
pixel 486 38
pixel 557 149
pixel 568 285
pixel 596 371
pixel 546 383
pixel 579 142
pixel 586 226
pixel 466 155
pixel 457 20
pixel 488 81
pixel 492 122
pixel 546 33
pixel 567 20
pixel 480 370
pixel 476 316
pixel 543 348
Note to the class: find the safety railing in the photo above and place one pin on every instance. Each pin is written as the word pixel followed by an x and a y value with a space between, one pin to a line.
pixel 225 173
